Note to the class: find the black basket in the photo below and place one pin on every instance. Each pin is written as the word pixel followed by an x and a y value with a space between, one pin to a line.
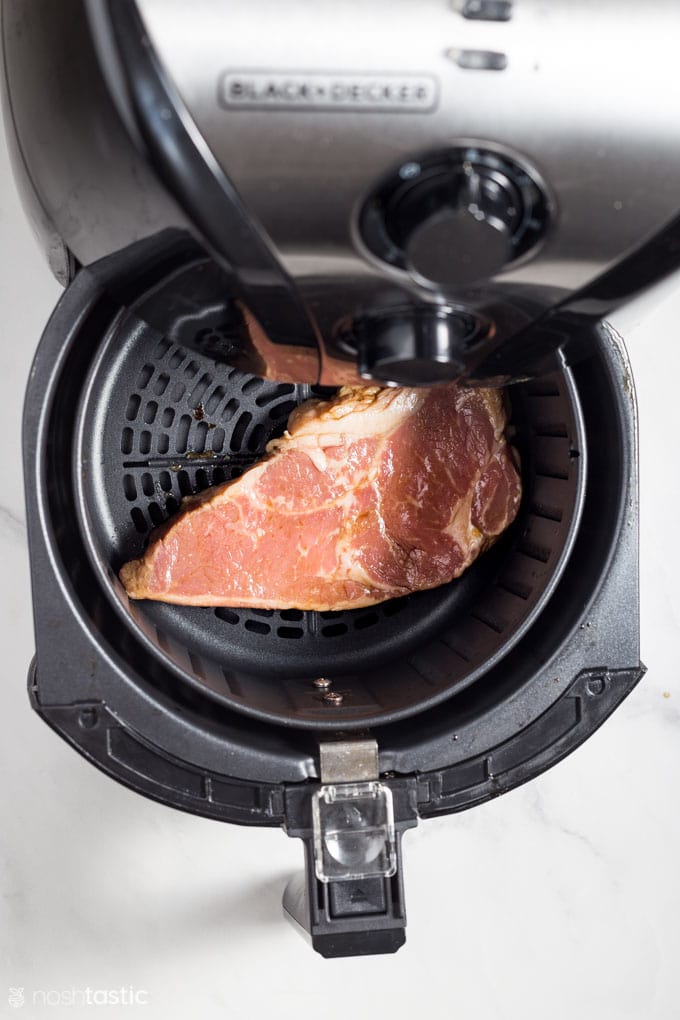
pixel 159 421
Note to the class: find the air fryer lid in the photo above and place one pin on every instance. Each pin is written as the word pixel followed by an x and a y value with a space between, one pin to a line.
pixel 157 421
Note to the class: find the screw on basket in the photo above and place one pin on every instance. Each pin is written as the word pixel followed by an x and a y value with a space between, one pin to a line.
pixel 322 683
pixel 334 698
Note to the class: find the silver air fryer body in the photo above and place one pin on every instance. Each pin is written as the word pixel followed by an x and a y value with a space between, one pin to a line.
pixel 410 190
pixel 250 201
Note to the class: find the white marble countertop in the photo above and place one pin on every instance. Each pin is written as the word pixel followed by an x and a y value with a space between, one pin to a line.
pixel 560 899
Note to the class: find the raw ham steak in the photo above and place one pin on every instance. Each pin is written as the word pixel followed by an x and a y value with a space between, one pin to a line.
pixel 371 495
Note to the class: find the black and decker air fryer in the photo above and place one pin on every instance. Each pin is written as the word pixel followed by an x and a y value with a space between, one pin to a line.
pixel 251 202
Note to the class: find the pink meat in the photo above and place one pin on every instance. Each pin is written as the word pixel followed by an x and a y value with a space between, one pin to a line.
pixel 369 496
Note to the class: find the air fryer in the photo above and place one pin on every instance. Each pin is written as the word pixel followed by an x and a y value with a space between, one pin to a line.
pixel 209 290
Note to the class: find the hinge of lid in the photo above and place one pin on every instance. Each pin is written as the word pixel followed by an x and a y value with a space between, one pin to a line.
pixel 348 760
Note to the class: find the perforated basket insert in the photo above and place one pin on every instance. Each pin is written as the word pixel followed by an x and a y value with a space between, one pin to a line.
pixel 170 422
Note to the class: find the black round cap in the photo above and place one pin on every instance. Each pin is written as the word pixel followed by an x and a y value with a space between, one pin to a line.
pixel 456 246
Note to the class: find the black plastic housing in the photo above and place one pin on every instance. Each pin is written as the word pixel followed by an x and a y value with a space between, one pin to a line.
pixel 143 705
pixel 433 689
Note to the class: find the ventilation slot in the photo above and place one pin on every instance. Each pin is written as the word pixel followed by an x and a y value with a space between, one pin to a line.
pixel 392 608
pixel 139 520
pixel 230 410
pixel 489 622
pixel 199 389
pixel 557 431
pixel 228 615
pixel 197 665
pixel 240 429
pixel 515 587
pixel 551 471
pixel 184 482
pixel 182 435
pixel 292 614
pixel 156 514
pixel 282 410
pixel 453 648
pixel 161 384
pixel 550 513
pixel 144 376
pixel 257 627
pixel 162 348
pixel 256 439
pixel 129 488
pixel 215 399
pixel 334 630
pixel 133 407
pixel 150 412
pixel 533 551
pixel 176 358
pixel 368 620
pixel 290 632
pixel 200 436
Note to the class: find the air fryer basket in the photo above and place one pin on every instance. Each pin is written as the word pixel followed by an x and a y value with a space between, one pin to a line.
pixel 158 421
pixel 472 687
